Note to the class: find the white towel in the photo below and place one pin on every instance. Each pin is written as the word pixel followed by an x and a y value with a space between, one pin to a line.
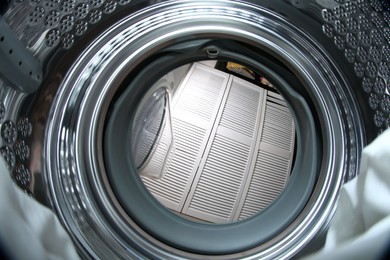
pixel 361 225
pixel 29 230
pixel 359 230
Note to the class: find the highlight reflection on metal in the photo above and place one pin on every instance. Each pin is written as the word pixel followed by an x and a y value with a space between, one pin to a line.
pixel 72 162
pixel 152 133
pixel 73 135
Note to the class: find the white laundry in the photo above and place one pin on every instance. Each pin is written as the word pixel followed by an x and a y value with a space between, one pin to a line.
pixel 361 225
pixel 360 228
pixel 29 230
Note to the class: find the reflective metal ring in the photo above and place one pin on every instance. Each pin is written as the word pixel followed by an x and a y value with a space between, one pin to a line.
pixel 75 168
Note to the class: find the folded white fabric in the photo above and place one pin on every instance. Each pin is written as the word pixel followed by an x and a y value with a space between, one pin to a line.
pixel 360 228
pixel 361 225
pixel 29 230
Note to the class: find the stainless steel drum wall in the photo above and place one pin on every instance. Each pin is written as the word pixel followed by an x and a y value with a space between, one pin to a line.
pixel 92 82
pixel 108 44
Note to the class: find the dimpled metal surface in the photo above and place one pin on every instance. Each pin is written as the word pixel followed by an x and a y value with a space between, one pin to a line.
pixel 361 29
pixel 22 176
pixel 51 24
pixel 2 111
pixel 22 151
pixel 8 156
pixel 24 127
pixel 9 132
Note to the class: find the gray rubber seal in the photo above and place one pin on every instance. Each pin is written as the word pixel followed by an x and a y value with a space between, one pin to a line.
pixel 203 238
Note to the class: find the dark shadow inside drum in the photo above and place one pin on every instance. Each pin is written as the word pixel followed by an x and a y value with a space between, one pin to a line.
pixel 197 237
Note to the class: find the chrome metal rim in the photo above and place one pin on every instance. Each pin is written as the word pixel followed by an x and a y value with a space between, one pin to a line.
pixel 73 158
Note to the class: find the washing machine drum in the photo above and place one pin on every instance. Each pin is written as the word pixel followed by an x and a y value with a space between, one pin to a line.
pixel 102 102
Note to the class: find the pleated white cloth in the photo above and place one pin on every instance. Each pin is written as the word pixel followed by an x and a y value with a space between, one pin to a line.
pixel 359 230
pixel 29 230
pixel 361 225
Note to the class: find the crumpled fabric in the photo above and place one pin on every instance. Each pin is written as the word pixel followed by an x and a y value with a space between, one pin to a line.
pixel 360 228
pixel 29 230
pixel 361 225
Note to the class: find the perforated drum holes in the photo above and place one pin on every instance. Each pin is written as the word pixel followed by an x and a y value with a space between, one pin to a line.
pixel 81 10
pixel 67 40
pixel 96 3
pixel 8 156
pixel 22 176
pixel 9 132
pixel 22 151
pixel 66 23
pixel 67 6
pixel 52 18
pixel 365 39
pixel 2 112
pixel 109 6
pixel 51 3
pixel 81 27
pixel 95 16
pixel 53 37
pixel 36 16
pixel 55 18
pixel 24 127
